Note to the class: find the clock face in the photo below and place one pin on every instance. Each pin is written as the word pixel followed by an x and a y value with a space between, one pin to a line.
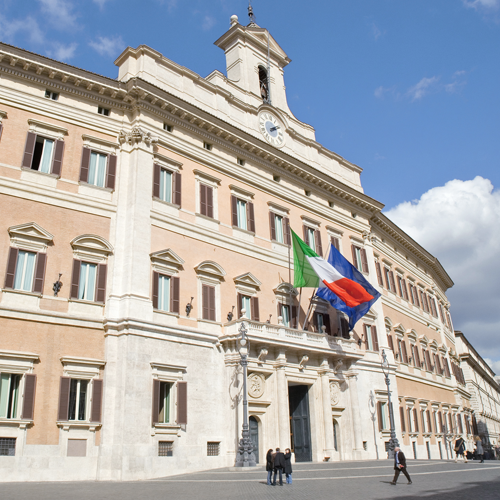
pixel 271 129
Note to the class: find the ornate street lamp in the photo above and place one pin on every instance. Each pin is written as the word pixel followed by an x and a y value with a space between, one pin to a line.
pixel 393 443
pixel 245 456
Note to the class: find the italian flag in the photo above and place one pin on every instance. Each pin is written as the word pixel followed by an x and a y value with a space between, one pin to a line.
pixel 310 270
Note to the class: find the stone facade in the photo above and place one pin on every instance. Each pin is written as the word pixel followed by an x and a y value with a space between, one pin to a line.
pixel 157 205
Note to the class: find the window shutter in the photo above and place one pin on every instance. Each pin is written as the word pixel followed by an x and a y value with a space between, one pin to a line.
pixel 29 396
pixel 174 294
pixel 417 358
pixel 441 315
pixel 156 278
pixel 391 278
pixel 374 338
pixel 315 322
pixel 204 302
pixel 211 303
pixel 379 274
pixel 250 217
pixel 255 309
pixel 344 327
pixel 58 156
pixel 156 180
pixel 203 200
pixel 408 413
pixel 234 210
pixel 295 319
pixel 210 202
pixel 95 414
pixel 63 399
pixel 354 258
pixel 391 343
pixel 365 334
pixel 239 302
pixel 1 129
pixel 306 235
pixel 272 226
pixel 11 267
pixel 182 403
pixel 84 167
pixel 403 349
pixel 405 290
pixel 29 148
pixel 280 311
pixel 41 260
pixel 101 283
pixel 288 234
pixel 379 415
pixel 75 279
pixel 335 242
pixel 429 420
pixel 364 261
pixel 111 175
pixel 177 198
pixel 155 411
pixel 402 418
pixel 319 247
pixel 417 299
pixel 326 321
pixel 415 419
pixel 386 276
pixel 400 286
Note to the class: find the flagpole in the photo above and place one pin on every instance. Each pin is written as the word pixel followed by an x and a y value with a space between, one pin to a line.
pixel 290 280
pixel 309 310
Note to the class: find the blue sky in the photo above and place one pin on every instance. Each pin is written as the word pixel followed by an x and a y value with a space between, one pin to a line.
pixel 408 90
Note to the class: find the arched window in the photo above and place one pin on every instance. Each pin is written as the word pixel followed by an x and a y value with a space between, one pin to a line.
pixel 263 83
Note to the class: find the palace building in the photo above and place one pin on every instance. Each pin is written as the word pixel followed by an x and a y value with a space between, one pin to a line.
pixel 144 219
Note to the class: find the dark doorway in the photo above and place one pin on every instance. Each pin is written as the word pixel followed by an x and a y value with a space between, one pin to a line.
pixel 299 422
pixel 254 436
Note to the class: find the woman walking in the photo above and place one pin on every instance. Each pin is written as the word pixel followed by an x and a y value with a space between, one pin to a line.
pixel 269 465
pixel 479 449
pixel 288 466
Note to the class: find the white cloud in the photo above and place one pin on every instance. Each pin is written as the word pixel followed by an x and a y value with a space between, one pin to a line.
pixel 484 4
pixel 108 46
pixel 459 223
pixel 422 88
pixel 376 31
pixel 100 3
pixel 27 27
pixel 63 52
pixel 59 12
pixel 381 91
pixel 208 22
pixel 494 365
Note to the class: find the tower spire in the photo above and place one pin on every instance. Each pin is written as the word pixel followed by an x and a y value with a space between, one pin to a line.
pixel 250 13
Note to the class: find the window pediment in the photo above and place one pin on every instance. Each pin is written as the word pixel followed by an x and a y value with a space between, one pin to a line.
pixel 99 144
pixel 412 335
pixel 443 349
pixel 91 247
pixel 30 236
pixel 285 289
pixel 388 323
pixel 400 330
pixel 211 269
pixel 86 368
pixel 247 280
pixel 47 129
pixel 166 260
pixel 167 162
pixel 424 340
pixel 434 345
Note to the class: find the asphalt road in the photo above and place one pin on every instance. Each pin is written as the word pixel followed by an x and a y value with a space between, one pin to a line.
pixel 347 480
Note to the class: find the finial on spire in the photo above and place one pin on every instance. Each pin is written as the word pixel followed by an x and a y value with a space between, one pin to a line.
pixel 250 12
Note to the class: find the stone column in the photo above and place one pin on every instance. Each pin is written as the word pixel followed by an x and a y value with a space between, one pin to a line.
pixel 324 371
pixel 283 410
pixel 355 414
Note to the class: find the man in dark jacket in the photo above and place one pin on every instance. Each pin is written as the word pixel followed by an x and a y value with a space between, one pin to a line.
pixel 460 449
pixel 399 466
pixel 279 465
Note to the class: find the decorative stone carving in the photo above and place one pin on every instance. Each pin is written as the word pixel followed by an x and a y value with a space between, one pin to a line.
pixel 334 393
pixel 256 385
pixel 137 135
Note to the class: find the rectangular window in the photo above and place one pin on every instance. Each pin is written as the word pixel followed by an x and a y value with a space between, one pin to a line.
pixel 429 423
pixel 213 449
pixel 165 448
pixel 164 292
pixel 43 154
pixel 242 214
pixel 7 447
pixel 103 111
pixel 280 228
pixel 422 418
pixel 87 283
pixel 208 302
pixel 97 169
pixel 207 146
pixel 241 162
pixel 285 314
pixel 168 128
pixel 78 399
pixel 25 271
pixel 165 403
pixel 402 418
pixel 389 280
pixel 206 201
pixel 278 225
pixel 9 395
pixel 241 211
pixel 165 185
pixel 51 95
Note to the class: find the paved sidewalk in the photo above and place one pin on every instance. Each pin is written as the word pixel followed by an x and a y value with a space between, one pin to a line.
pixel 369 480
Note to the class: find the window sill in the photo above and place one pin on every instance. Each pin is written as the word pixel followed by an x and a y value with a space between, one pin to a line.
pixel 89 302
pixel 166 203
pixel 80 424
pixel 169 429
pixel 167 313
pixel 101 193
pixel 21 292
pixel 15 422
pixel 210 322
pixel 245 231
pixel 33 171
pixel 93 186
pixel 206 217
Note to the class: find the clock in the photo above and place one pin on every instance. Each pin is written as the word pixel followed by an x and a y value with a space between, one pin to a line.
pixel 271 129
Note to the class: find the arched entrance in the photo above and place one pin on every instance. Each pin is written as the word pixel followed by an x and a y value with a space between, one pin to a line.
pixel 254 436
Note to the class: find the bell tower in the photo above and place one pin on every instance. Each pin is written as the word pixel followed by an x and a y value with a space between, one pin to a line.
pixel 255 62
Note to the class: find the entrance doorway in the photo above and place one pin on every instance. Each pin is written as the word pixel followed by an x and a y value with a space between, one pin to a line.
pixel 299 422
pixel 254 436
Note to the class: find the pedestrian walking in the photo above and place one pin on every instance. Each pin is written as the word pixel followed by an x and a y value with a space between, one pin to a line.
pixel 400 466
pixel 269 465
pixel 479 449
pixel 460 449
pixel 279 466
pixel 288 466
